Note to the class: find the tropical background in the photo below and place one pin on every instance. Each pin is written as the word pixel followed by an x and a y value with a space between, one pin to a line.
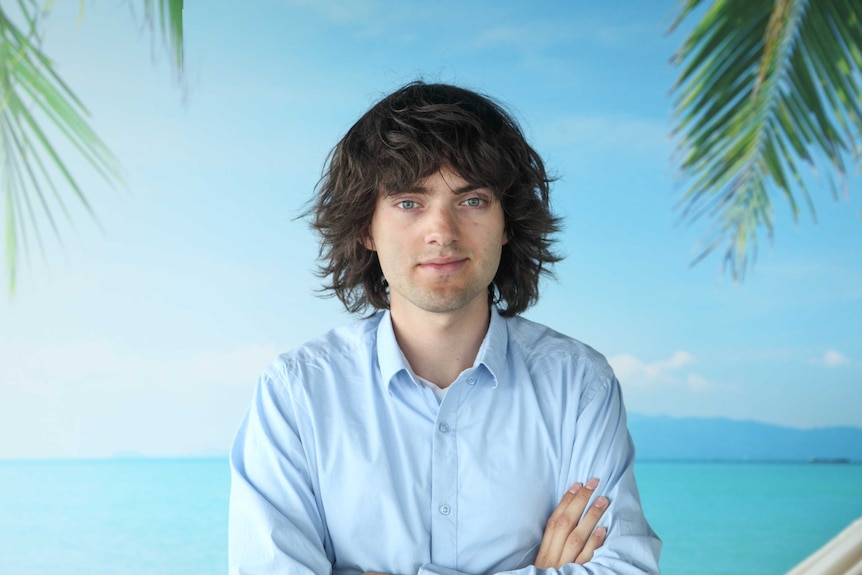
pixel 141 331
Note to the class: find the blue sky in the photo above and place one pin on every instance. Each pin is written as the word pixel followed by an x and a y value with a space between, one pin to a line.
pixel 146 335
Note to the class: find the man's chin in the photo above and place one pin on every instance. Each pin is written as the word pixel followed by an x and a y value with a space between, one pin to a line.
pixel 450 301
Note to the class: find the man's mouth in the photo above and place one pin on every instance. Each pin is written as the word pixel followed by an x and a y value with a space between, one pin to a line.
pixel 443 265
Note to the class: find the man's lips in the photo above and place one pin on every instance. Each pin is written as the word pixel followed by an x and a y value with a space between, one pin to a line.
pixel 443 265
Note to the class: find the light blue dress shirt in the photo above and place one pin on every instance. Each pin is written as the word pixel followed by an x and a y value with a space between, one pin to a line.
pixel 345 463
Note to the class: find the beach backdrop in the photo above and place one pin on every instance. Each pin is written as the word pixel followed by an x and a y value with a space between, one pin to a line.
pixel 169 516
pixel 129 350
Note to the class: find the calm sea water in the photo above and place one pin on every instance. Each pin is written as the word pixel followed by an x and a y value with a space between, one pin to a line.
pixel 162 517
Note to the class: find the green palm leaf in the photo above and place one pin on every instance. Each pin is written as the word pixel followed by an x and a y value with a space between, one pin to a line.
pixel 169 15
pixel 763 89
pixel 35 180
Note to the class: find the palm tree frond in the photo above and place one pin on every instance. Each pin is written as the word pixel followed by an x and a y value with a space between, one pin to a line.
pixel 36 102
pixel 167 15
pixel 32 96
pixel 763 88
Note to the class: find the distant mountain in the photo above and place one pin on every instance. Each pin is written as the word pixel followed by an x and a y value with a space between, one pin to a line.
pixel 663 437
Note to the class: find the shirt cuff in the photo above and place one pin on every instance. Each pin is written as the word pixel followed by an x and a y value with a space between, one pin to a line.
pixel 431 569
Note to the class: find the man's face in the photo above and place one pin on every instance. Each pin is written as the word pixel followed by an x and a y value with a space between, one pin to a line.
pixel 439 244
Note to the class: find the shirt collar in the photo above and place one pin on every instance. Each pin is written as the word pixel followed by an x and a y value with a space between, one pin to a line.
pixel 495 347
pixel 389 355
pixel 492 352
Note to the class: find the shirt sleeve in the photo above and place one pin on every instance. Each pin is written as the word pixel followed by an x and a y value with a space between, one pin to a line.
pixel 603 448
pixel 274 525
pixel 277 526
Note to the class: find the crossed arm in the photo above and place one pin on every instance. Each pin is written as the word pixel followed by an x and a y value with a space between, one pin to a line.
pixel 571 535
pixel 273 528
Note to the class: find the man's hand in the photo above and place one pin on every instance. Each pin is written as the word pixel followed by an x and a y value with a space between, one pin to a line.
pixel 571 535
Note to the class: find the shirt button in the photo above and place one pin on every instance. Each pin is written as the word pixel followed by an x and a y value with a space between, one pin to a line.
pixel 443 427
pixel 445 510
pixel 471 380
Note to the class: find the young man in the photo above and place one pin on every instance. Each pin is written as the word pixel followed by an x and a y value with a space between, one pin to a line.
pixel 444 434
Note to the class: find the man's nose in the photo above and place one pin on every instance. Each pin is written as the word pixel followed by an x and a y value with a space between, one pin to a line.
pixel 442 226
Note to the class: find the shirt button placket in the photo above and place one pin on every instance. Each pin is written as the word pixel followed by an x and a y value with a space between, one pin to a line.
pixel 444 481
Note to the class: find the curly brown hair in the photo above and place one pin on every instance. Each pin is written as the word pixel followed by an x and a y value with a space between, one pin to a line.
pixel 406 137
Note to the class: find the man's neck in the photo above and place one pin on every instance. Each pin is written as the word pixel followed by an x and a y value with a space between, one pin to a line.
pixel 439 346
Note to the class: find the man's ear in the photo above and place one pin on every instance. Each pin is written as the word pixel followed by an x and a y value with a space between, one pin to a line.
pixel 368 242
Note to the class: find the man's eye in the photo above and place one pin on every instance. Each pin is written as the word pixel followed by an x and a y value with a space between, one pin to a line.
pixel 474 202
pixel 407 204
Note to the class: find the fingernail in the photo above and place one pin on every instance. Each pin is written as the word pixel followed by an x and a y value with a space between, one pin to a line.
pixel 575 486
pixel 601 502
pixel 601 531
pixel 592 483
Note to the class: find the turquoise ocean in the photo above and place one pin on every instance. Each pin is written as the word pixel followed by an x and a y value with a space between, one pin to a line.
pixel 169 516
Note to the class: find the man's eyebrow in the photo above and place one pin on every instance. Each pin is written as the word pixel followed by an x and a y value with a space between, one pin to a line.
pixel 409 190
pixel 422 190
pixel 467 189
pixel 417 189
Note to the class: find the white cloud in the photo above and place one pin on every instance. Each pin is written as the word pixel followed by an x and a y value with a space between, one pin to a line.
pixel 95 399
pixel 610 133
pixel 547 34
pixel 641 377
pixel 99 365
pixel 341 11
pixel 493 37
pixel 833 358
pixel 632 370
pixel 698 383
